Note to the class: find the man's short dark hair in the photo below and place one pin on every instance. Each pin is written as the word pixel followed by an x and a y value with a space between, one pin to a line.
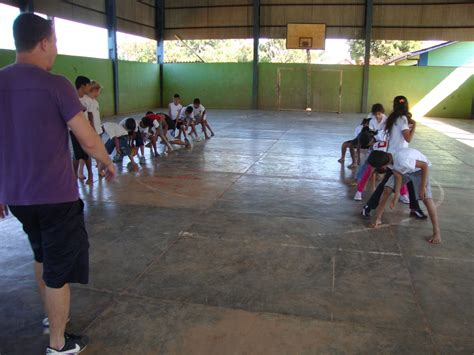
pixel 197 101
pixel 377 159
pixel 189 109
pixel 82 80
pixel 176 96
pixel 130 124
pixel 30 29
pixel 149 113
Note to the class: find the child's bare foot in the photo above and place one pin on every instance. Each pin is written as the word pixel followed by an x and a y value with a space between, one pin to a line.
pixel 376 225
pixel 207 137
pixel 435 239
pixel 101 174
pixel 81 177
pixel 341 160
pixel 89 181
pixel 352 166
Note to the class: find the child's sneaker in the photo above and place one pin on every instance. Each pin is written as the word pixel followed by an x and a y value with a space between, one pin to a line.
pixel 366 211
pixel 405 199
pixel 74 345
pixel 358 196
pixel 418 214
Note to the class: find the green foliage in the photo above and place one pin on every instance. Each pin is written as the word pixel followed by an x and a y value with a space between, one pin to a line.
pixel 137 51
pixel 274 51
pixel 209 51
pixel 381 50
pixel 212 51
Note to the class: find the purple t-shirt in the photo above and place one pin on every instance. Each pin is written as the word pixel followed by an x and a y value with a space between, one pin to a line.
pixel 35 163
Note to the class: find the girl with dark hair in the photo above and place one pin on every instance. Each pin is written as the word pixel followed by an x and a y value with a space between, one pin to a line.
pixel 399 129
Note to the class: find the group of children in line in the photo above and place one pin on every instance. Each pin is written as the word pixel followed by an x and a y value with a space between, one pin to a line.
pixel 130 136
pixel 385 141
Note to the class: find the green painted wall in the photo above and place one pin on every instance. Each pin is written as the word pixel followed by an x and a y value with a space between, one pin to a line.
pixel 139 86
pixel 6 57
pixel 223 85
pixel 351 84
pixel 455 55
pixel 228 85
pixel 71 67
pixel 386 82
pixel 458 104
pixel 93 68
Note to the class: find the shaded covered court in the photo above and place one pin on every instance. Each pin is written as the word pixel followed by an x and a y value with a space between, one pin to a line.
pixel 250 243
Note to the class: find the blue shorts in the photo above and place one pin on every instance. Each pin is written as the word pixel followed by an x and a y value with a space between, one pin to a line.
pixel 123 143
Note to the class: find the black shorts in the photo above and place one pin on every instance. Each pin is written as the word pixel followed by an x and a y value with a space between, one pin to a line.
pixel 354 142
pixel 59 240
pixel 138 139
pixel 180 124
pixel 171 124
pixel 79 153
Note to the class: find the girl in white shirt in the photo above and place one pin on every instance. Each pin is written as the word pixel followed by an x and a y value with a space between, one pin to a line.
pixel 399 129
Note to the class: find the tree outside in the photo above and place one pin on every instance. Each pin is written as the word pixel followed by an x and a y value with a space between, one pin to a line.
pixel 241 50
pixel 381 51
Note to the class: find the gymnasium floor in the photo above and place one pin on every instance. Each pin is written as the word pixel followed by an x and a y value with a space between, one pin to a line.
pixel 250 243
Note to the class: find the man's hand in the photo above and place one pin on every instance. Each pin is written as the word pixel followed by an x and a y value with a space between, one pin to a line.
pixel 3 211
pixel 109 170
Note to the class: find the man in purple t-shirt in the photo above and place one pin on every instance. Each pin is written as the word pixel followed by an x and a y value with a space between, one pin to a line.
pixel 36 177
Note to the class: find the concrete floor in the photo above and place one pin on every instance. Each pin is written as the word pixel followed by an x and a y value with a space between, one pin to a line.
pixel 250 243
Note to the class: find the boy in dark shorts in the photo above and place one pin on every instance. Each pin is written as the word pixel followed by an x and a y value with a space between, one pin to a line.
pixel 135 136
pixel 185 121
pixel 156 123
pixel 83 87
pixel 118 141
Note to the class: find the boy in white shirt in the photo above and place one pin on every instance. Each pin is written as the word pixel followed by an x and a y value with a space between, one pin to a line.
pixel 136 136
pixel 173 111
pixel 408 164
pixel 185 121
pixel 199 112
pixel 93 114
pixel 94 106
pixel 83 87
pixel 118 141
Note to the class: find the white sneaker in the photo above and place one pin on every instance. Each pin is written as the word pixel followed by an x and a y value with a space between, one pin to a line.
pixel 405 199
pixel 358 196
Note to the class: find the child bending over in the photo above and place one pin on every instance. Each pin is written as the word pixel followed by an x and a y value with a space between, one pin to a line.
pixel 353 144
pixel 200 117
pixel 118 141
pixel 408 165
